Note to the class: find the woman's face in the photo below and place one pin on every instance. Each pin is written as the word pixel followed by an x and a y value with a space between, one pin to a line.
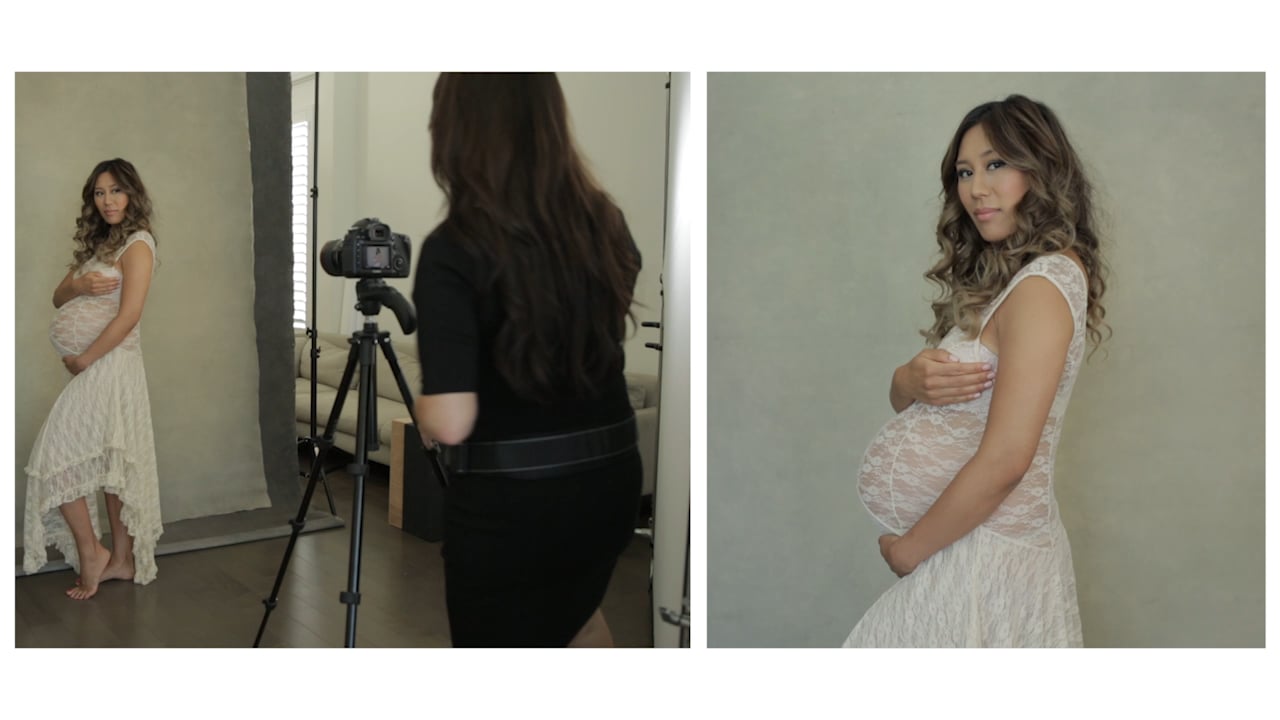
pixel 110 198
pixel 989 189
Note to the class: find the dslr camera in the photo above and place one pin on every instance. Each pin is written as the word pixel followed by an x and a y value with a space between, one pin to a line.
pixel 369 250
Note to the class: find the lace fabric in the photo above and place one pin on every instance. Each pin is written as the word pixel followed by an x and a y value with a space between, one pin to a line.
pixel 98 436
pixel 1009 582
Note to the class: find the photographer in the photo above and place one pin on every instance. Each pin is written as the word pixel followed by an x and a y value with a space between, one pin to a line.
pixel 522 295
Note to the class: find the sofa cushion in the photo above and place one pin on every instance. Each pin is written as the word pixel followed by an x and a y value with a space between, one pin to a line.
pixel 330 364
pixel 325 396
pixel 409 366
pixel 635 393
pixel 387 410
pixel 642 390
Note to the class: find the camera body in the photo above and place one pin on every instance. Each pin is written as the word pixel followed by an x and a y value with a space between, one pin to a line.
pixel 369 250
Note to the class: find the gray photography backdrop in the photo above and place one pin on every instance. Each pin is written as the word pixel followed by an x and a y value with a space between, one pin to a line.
pixel 213 151
pixel 822 202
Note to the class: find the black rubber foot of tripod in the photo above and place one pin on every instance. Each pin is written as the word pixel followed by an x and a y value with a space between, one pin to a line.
pixel 349 598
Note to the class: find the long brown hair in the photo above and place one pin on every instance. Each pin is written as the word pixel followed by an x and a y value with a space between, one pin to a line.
pixel 1056 214
pixel 94 237
pixel 563 263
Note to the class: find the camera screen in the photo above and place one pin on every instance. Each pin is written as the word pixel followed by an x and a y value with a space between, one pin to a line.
pixel 377 256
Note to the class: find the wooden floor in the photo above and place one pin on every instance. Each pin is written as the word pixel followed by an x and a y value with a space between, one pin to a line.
pixel 213 598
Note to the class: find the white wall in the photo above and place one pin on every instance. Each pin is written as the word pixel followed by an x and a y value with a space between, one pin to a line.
pixel 822 199
pixel 375 155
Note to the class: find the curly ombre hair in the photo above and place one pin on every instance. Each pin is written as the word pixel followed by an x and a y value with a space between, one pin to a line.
pixel 94 236
pixel 1054 215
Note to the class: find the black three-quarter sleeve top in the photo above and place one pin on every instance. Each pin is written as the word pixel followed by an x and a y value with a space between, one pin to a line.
pixel 457 325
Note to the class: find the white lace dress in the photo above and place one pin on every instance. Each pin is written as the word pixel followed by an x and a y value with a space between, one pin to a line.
pixel 1009 582
pixel 97 436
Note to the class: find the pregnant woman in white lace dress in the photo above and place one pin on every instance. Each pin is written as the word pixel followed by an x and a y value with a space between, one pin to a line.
pixel 98 435
pixel 962 477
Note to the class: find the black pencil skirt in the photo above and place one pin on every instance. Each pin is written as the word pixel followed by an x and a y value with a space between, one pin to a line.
pixel 527 561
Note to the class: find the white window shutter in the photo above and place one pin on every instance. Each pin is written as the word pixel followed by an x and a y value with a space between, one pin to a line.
pixel 301 191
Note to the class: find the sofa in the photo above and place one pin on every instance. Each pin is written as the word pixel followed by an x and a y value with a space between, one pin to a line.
pixel 334 349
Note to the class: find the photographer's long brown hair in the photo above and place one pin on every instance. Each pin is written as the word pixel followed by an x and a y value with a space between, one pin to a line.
pixel 518 192
pixel 94 237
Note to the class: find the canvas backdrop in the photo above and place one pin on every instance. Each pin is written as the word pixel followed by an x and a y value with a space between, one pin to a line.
pixel 189 137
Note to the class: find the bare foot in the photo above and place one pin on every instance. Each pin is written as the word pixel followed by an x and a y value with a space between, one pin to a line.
pixel 91 570
pixel 118 570
pixel 115 570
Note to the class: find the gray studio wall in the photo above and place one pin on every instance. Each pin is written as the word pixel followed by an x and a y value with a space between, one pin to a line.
pixel 375 154
pixel 189 137
pixel 822 199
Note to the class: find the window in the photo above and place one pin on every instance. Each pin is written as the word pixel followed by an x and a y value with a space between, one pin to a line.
pixel 301 192
pixel 303 112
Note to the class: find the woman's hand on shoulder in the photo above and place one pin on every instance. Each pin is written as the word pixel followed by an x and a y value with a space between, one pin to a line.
pixel 936 377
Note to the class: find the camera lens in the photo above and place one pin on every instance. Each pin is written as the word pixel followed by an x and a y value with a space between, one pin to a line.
pixel 331 257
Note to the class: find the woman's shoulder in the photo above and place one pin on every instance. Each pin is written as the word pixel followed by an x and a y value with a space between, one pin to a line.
pixel 1059 263
pixel 1064 270
pixel 441 238
pixel 444 242
pixel 142 236
pixel 444 248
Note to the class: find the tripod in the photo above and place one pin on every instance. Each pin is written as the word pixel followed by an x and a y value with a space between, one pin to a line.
pixel 371 294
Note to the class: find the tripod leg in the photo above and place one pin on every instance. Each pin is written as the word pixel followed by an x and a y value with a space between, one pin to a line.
pixel 433 455
pixel 300 520
pixel 358 469
pixel 328 495
pixel 372 437
pixel 312 449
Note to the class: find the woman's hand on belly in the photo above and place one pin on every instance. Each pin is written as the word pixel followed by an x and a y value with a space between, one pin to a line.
pixel 75 364
pixel 898 565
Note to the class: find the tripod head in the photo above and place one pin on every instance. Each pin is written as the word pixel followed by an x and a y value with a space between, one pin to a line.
pixel 373 293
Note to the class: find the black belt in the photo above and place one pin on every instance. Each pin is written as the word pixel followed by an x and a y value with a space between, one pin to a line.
pixel 542 456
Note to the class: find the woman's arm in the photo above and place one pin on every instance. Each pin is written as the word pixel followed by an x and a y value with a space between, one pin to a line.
pixel 135 267
pixel 447 418
pixel 66 290
pixel 898 396
pixel 1033 328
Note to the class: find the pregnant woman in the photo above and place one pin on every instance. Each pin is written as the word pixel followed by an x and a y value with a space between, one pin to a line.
pixel 98 434
pixel 962 476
